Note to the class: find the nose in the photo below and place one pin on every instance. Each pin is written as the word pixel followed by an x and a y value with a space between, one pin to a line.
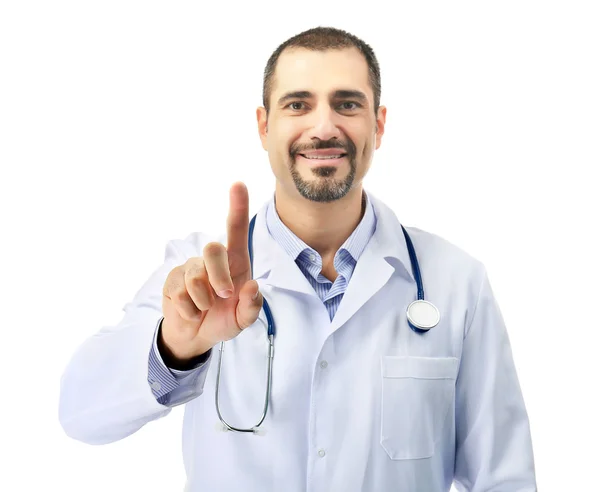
pixel 324 124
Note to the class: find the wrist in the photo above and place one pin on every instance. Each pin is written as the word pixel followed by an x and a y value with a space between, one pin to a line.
pixel 174 359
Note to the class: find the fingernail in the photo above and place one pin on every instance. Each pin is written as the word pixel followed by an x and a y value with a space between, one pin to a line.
pixel 256 295
pixel 225 293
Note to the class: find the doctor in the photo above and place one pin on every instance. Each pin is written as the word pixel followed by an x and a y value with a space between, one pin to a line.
pixel 351 398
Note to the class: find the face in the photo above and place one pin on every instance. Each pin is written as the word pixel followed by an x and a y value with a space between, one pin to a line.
pixel 322 106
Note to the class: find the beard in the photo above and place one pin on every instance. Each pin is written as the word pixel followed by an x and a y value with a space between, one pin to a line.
pixel 326 188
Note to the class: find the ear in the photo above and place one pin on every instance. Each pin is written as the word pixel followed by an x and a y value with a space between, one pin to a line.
pixel 261 119
pixel 381 114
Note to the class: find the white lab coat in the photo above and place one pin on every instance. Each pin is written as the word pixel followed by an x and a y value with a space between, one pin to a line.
pixel 359 404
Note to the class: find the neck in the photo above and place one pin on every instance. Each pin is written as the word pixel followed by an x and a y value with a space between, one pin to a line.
pixel 322 226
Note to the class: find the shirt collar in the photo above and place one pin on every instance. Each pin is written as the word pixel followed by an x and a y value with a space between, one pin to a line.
pixel 294 246
pixel 387 243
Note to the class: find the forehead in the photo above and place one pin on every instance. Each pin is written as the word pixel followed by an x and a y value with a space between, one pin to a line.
pixel 321 71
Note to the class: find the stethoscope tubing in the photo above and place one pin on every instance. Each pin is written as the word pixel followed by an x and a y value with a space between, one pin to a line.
pixel 271 328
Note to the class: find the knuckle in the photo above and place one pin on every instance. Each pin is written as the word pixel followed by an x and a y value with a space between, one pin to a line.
pixel 194 260
pixel 195 282
pixel 195 273
pixel 180 296
pixel 190 315
pixel 197 291
pixel 173 282
pixel 213 249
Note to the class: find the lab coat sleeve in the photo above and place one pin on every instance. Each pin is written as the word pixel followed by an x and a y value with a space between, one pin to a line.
pixel 105 393
pixel 493 442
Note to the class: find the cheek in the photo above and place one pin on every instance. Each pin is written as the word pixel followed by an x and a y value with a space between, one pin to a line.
pixel 277 146
pixel 279 138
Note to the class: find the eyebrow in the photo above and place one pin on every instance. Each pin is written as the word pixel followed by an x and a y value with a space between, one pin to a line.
pixel 339 94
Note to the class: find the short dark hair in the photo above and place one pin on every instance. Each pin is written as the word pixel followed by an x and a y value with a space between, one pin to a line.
pixel 322 39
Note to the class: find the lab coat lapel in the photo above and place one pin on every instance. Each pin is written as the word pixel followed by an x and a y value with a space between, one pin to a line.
pixel 272 265
pixel 370 274
pixel 374 268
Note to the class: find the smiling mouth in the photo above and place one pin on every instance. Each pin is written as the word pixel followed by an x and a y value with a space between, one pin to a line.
pixel 322 161
pixel 325 157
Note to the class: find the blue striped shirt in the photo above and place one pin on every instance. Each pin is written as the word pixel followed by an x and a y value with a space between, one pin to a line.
pixel 311 263
pixel 167 383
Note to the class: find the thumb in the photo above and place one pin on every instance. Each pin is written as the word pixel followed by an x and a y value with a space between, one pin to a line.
pixel 249 304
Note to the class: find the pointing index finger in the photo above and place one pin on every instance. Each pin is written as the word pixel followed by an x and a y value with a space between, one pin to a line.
pixel 238 221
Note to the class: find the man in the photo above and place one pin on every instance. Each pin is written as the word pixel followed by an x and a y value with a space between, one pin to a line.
pixel 359 400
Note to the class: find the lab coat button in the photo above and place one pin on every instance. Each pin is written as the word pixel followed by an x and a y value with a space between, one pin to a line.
pixel 321 452
pixel 155 385
pixel 324 364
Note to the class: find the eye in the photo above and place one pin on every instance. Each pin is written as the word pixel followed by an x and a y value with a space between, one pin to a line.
pixel 295 102
pixel 357 105
pixel 351 102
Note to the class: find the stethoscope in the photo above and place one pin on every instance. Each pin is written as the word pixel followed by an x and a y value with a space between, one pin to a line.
pixel 422 316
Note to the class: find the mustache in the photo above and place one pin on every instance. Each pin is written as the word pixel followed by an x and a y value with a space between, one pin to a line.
pixel 348 148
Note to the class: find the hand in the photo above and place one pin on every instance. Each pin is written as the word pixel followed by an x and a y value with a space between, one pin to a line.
pixel 212 298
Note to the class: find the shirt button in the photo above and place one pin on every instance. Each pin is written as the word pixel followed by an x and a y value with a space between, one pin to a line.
pixel 321 452
pixel 312 258
pixel 323 364
pixel 155 385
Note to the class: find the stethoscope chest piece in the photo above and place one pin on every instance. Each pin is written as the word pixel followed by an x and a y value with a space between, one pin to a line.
pixel 422 315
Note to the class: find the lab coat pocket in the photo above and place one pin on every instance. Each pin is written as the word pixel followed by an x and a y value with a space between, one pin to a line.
pixel 417 393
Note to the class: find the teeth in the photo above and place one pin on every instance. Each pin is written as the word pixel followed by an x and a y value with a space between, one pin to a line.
pixel 324 157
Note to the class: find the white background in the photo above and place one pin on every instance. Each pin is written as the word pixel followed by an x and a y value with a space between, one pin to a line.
pixel 123 125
